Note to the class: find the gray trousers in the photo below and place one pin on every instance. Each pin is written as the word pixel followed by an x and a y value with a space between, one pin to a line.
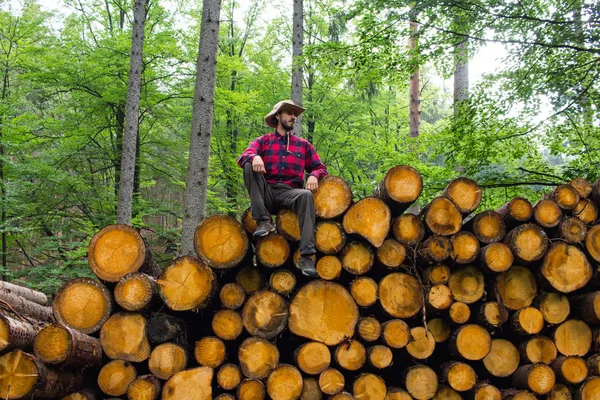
pixel 268 198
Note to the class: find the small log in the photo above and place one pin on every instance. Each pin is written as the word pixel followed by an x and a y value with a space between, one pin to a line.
pixel 459 375
pixel 439 297
pixel 364 291
pixel 210 352
pixel 332 198
pixel 221 242
pixel 538 349
pixel 396 333
pixel 257 357
pixel 401 186
pixel 566 196
pixel 528 243
pixel 516 211
pixel 471 342
pixel 311 390
pixel 124 336
pixel 516 287
pixel 408 229
pixel 357 258
pixel 329 267
pixel 164 328
pixel 135 291
pixel 513 394
pixel 187 283
pixel 582 186
pixel 118 250
pixel 24 292
pixel 437 274
pixel 265 314
pixel 284 383
pixel 587 307
pixel 593 364
pixel 592 242
pixel 572 230
pixel 115 377
pixel 554 307
pixel 251 389
pixel 434 249
pixel 351 355
pixel 248 222
pixel 421 382
pixel 421 344
pixel 369 329
pixel 571 370
pixel 329 299
pixel 447 393
pixel 227 324
pixel 369 386
pixel 496 257
pixel 82 304
pixel 488 226
pixel 282 281
pixel 440 329
pixel 502 359
pixel 369 218
pixel 330 237
pixel 464 193
pixel 379 356
pixel 467 284
pixel 465 247
pixel 342 396
pixel 586 210
pixel 58 344
pixel 250 279
pixel 16 333
pixel 20 305
pixel 566 268
pixel 590 389
pixel 167 359
pixel 145 387
pixel 527 321
pixel 459 313
pixel 232 296
pixel 547 213
pixel 391 254
pixel 24 376
pixel 191 384
pixel 492 315
pixel 539 378
pixel 400 295
pixel 486 391
pixel 331 381
pixel 442 217
pixel 272 251
pixel 559 392
pixel 395 393
pixel 287 224
pixel 313 358
pixel 229 376
pixel 83 394
pixel 573 338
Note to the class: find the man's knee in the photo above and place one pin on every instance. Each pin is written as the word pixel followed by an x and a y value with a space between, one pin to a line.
pixel 306 198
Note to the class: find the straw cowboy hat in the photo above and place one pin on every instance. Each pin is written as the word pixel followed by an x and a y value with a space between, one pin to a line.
pixel 282 106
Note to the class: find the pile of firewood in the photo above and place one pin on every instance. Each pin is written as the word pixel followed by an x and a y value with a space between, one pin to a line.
pixel 442 304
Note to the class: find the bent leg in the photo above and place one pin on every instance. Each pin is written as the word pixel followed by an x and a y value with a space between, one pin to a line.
pixel 261 197
pixel 301 201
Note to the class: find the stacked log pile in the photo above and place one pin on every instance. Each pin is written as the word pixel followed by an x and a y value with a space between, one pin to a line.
pixel 444 304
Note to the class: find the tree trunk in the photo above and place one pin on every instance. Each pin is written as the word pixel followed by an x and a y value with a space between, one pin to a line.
pixel 21 306
pixel 461 74
pixel 199 152
pixel 130 137
pixel 57 344
pixel 297 70
pixel 415 94
pixel 28 294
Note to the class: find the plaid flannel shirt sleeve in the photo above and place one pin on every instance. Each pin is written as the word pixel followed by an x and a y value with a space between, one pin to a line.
pixel 249 153
pixel 314 166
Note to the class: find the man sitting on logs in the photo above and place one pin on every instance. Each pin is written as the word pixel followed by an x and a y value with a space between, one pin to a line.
pixel 274 166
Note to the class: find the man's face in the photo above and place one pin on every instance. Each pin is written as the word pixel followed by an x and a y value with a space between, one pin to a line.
pixel 287 119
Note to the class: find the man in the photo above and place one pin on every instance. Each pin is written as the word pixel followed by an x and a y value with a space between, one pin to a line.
pixel 274 166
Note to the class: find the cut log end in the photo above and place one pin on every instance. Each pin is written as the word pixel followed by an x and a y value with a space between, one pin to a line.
pixel 421 382
pixel 18 375
pixel 502 359
pixel 351 355
pixel 115 377
pixel 517 287
pixel 400 295
pixel 472 342
pixel 547 213
pixel 221 242
pixel 250 279
pixel 146 387
pixel 496 257
pixel 538 349
pixel 369 386
pixel 135 291
pixel 283 281
pixel 288 225
pixel 329 267
pixel 190 384
pixel 440 329
pixel 555 307
pixel 369 329
pixel 251 389
pixel 284 383
pixel 265 314
pixel 330 237
pixel 528 242
pixel 573 338
pixel 313 358
pixel 391 254
pixel 421 344
pixel 489 227
pixel 186 284
pixel 57 344
pixel 566 268
pixel 396 333
pixel 332 198
pixel 528 321
pixel 229 376
pixel 465 194
pixel 124 336
pixel 402 184
pixel 331 381
pixel 380 357
pixel 408 229
pixel 369 218
pixel 518 209
pixel 439 297
pixel 592 242
pixel 82 304
pixel 586 210
pixel 232 296
pixel 459 375
pixel 210 351
pixel 257 357
pixel 227 324
pixel 566 196
pixel 442 217
pixel 272 251
pixel 364 291
pixel 357 258
pixel 467 284
pixel 459 312
pixel 582 186
pixel 465 247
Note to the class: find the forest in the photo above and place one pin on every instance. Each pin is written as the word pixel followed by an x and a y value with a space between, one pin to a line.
pixel 385 82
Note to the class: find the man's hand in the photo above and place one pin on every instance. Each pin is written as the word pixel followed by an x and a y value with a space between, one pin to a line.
pixel 258 165
pixel 312 183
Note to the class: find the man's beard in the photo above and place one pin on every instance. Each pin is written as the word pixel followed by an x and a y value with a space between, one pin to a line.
pixel 287 127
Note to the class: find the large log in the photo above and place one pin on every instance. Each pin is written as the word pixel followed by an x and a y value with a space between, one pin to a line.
pixel 539 378
pixel 401 186
pixel 528 243
pixel 186 284
pixel 221 242
pixel 58 344
pixel 191 384
pixel 442 217
pixel 572 370
pixel 369 218
pixel 538 349
pixel 554 307
pixel 257 357
pixel 472 342
pixel 265 314
pixel 124 336
pixel 82 304
pixel 400 295
pixel 566 268
pixel 332 198
pixel 23 307
pixel 464 193
pixel 573 338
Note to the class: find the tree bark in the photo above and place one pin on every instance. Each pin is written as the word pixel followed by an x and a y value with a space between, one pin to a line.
pixel 297 72
pixel 197 173
pixel 415 95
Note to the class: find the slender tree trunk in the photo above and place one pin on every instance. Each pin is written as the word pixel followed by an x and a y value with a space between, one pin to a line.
pixel 461 75
pixel 197 174
pixel 415 100
pixel 132 114
pixel 297 44
pixel 584 100
pixel 5 82
pixel 230 182
pixel 119 130
pixel 310 118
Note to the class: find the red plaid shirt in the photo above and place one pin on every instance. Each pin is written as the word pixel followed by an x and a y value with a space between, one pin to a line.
pixel 285 163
